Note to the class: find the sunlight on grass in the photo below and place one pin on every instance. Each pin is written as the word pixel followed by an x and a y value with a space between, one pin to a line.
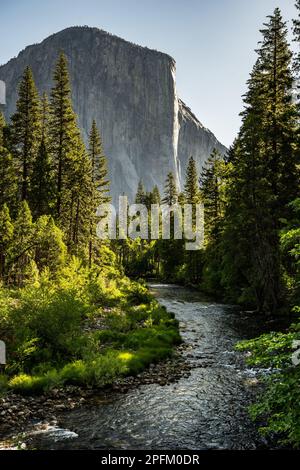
pixel 125 356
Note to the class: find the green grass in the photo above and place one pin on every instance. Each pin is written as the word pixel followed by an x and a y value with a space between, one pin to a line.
pixel 48 345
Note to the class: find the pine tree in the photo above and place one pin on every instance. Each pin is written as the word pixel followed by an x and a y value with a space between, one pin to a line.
pixel 280 117
pixel 192 196
pixel 81 199
pixel 212 193
pixel 99 165
pixel 191 188
pixel 6 236
pixel 63 133
pixel 26 130
pixel 169 254
pixel 8 177
pixel 22 267
pixel 100 183
pixel 170 191
pixel 140 197
pixel 50 250
pixel 155 195
pixel 73 174
pixel 264 177
pixel 42 184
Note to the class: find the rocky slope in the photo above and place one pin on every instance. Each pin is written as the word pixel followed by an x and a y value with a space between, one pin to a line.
pixel 131 92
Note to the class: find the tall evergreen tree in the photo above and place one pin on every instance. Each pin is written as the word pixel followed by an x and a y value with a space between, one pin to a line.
pixel 22 267
pixel 6 236
pixel 26 130
pixel 81 198
pixel 191 195
pixel 140 197
pixel 8 176
pixel 63 131
pixel 50 249
pixel 42 184
pixel 155 195
pixel 99 165
pixel 191 187
pixel 72 166
pixel 212 193
pixel 280 117
pixel 264 178
pixel 170 191
pixel 100 182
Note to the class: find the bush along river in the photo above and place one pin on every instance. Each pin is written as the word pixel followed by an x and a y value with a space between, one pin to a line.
pixel 197 400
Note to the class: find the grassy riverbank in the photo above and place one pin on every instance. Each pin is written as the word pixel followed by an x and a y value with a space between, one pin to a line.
pixel 85 327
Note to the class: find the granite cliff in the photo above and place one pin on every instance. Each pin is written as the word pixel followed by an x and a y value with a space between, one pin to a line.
pixel 131 92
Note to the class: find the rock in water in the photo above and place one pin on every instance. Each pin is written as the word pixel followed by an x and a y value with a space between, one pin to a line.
pixel 131 93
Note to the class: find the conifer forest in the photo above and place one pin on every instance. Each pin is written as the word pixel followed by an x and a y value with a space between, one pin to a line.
pixel 83 317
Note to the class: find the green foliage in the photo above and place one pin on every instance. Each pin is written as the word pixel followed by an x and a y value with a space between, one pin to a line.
pixel 269 350
pixel 191 187
pixel 278 410
pixel 3 384
pixel 8 175
pixel 42 183
pixel 264 177
pixel 99 194
pixel 72 166
pixel 6 236
pixel 212 185
pixel 27 247
pixel 26 129
pixel 100 371
pixel 171 191
pixel 67 313
pixel 50 249
pixel 99 165
pixel 44 327
pixel 22 267
pixel 138 294
pixel 290 249
pixel 154 196
pixel 140 197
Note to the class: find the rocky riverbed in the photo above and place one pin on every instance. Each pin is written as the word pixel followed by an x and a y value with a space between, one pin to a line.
pixel 21 413
pixel 196 400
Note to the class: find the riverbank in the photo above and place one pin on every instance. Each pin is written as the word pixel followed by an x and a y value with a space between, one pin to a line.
pixel 19 413
pixel 201 403
pixel 85 328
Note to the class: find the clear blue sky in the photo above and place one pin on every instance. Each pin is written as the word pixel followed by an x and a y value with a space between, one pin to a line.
pixel 212 41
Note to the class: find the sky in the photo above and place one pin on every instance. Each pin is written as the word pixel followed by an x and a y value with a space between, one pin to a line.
pixel 212 41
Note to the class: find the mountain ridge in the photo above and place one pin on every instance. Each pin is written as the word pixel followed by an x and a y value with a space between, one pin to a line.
pixel 131 92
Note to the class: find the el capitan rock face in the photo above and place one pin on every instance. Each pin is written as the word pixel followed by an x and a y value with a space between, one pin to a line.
pixel 131 93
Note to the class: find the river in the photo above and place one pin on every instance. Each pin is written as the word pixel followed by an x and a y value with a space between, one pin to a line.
pixel 205 409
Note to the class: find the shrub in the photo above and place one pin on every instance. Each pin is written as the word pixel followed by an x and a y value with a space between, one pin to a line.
pixel 48 345
pixel 278 409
